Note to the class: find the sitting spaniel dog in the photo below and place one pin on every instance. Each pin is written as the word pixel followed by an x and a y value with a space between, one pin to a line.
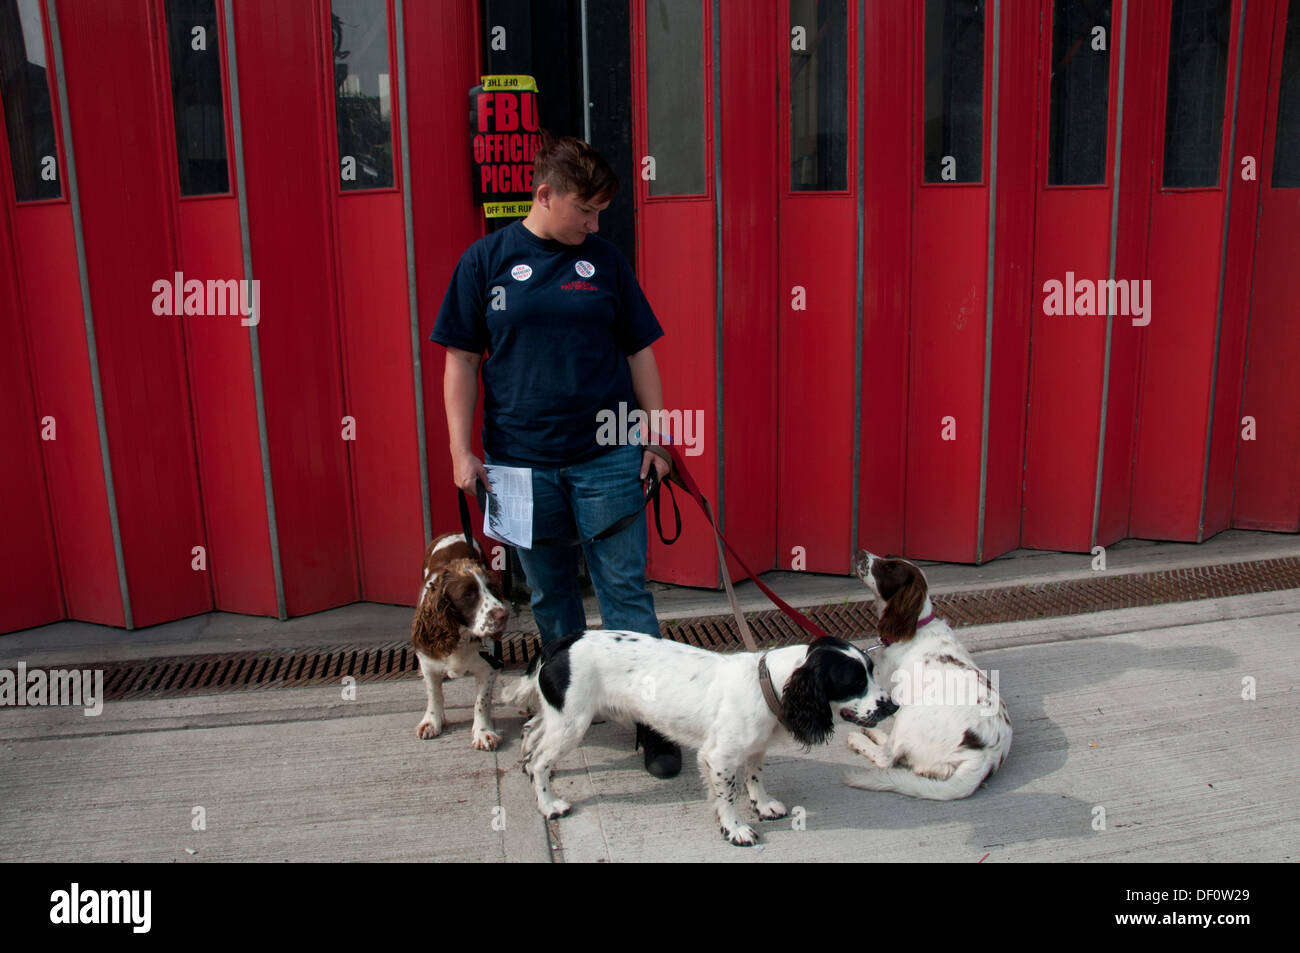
pixel 459 612
pixel 951 731
pixel 706 700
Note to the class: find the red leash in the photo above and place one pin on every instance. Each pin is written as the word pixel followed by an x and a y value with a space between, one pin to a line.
pixel 683 478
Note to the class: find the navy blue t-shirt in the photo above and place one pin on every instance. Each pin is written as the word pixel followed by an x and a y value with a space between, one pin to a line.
pixel 557 350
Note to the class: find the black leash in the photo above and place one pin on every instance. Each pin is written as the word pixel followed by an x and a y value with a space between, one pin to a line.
pixel 651 492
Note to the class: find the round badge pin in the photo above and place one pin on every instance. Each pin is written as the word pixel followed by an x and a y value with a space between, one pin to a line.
pixel 521 272
pixel 585 269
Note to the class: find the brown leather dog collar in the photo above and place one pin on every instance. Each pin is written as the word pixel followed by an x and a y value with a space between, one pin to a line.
pixel 769 691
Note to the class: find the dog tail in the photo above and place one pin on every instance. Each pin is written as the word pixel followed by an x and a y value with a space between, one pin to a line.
pixel 963 782
pixel 526 693
pixel 523 692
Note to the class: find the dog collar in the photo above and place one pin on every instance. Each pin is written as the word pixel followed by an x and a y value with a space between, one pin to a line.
pixel 493 658
pixel 769 692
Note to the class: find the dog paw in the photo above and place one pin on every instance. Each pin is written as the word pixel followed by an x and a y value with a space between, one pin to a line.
pixel 428 729
pixel 861 744
pixel 486 740
pixel 869 750
pixel 557 809
pixel 741 836
pixel 770 811
pixel 875 734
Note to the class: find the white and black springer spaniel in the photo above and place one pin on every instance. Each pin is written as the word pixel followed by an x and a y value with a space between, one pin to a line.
pixel 952 729
pixel 459 612
pixel 705 700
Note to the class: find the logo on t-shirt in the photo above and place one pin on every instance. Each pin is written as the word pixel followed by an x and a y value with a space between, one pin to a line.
pixel 521 272
pixel 585 269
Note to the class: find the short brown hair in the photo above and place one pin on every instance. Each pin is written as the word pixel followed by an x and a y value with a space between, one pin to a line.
pixel 569 165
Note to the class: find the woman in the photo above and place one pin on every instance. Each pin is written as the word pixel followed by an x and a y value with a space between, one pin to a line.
pixel 568 332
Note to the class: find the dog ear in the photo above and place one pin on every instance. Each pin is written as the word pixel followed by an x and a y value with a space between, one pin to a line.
pixel 903 610
pixel 805 707
pixel 433 629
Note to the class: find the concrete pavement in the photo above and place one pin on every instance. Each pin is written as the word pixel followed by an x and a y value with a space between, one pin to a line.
pixel 1146 723
pixel 1138 712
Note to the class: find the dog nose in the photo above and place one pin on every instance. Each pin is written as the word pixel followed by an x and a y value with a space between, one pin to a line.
pixel 861 561
pixel 500 615
pixel 886 707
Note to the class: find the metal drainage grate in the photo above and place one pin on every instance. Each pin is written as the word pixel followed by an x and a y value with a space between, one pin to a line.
pixel 1010 603
pixel 204 674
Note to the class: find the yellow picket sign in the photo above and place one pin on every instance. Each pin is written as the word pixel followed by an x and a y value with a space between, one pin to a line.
pixel 514 83
pixel 506 209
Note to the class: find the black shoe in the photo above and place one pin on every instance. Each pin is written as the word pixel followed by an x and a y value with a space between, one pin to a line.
pixel 663 759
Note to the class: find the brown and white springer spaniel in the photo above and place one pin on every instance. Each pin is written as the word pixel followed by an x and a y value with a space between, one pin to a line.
pixel 952 729
pixel 460 610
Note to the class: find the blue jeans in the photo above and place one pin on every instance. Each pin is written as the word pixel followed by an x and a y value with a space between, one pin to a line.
pixel 580 501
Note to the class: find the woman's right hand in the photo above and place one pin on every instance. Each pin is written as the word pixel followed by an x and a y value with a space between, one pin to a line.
pixel 467 469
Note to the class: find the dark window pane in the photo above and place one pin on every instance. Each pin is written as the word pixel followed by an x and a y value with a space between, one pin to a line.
pixel 362 98
pixel 29 115
pixel 819 107
pixel 1198 72
pixel 1286 151
pixel 674 53
pixel 954 90
pixel 192 46
pixel 1076 151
